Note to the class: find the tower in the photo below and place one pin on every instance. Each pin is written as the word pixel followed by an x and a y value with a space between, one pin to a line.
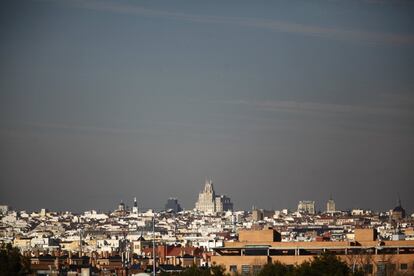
pixel 135 206
pixel 330 206
pixel 121 206
pixel 206 199
pixel 398 213
pixel 209 202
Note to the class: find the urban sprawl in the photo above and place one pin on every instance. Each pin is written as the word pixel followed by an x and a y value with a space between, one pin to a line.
pixel 130 241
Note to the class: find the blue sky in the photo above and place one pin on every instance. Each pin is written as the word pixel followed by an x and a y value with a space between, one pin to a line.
pixel 277 101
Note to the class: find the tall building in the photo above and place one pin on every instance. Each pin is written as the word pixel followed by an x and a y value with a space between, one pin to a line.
pixel 223 204
pixel 257 214
pixel 209 202
pixel 398 213
pixel 330 206
pixel 206 199
pixel 307 207
pixel 173 205
pixel 121 206
pixel 260 214
pixel 135 207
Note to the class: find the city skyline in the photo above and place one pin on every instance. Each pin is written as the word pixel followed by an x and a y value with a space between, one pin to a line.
pixel 132 205
pixel 101 101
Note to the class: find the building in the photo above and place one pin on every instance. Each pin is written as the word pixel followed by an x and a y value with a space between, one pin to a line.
pixel 135 207
pixel 255 248
pixel 206 199
pixel 223 204
pixel 121 210
pixel 257 214
pixel 121 206
pixel 4 209
pixel 330 206
pixel 209 202
pixel 260 214
pixel 398 213
pixel 173 205
pixel 306 207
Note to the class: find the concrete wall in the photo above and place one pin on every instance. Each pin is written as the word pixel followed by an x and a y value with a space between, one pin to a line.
pixel 262 236
pixel 362 235
pixel 357 260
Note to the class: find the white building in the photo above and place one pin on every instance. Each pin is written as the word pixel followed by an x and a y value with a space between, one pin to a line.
pixel 330 206
pixel 206 199
pixel 306 206
pixel 135 207
pixel 4 209
pixel 208 202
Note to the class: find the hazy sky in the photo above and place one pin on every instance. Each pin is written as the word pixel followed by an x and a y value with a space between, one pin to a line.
pixel 277 101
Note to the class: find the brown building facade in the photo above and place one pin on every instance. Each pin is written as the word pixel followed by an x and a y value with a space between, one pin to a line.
pixel 256 248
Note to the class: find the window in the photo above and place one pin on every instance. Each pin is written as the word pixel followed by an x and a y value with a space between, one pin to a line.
pixel 255 252
pixel 368 268
pixel 403 266
pixel 256 269
pixel 245 269
pixel 233 268
pixel 381 267
pixel 391 267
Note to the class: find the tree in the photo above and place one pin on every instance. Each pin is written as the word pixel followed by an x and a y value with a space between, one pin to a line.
pixel 276 269
pixel 323 265
pixel 214 270
pixel 12 262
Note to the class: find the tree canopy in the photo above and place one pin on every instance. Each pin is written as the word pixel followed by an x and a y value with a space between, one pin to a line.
pixel 12 262
pixel 323 265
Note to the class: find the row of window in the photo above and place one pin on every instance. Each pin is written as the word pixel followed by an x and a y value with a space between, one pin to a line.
pixel 368 268
pixel 384 269
pixel 292 252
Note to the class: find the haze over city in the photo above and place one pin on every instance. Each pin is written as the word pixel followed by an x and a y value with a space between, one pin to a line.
pixel 277 102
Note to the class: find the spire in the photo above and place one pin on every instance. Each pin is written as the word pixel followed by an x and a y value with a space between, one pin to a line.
pixel 208 186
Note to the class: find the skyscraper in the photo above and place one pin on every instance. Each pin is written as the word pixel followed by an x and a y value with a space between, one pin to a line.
pixel 208 202
pixel 306 206
pixel 206 199
pixel 330 206
pixel 135 207
pixel 398 213
pixel 173 205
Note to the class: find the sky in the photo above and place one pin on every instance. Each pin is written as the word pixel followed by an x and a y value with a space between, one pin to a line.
pixel 276 101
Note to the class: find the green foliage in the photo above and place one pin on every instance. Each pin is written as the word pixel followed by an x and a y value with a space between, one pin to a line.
pixel 12 262
pixel 324 265
pixel 217 270
pixel 199 271
pixel 276 269
pixel 193 271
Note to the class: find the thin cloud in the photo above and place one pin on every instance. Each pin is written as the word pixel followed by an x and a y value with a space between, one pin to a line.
pixel 81 128
pixel 272 25
pixel 296 106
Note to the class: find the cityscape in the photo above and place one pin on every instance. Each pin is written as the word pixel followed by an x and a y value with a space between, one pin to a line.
pixel 207 138
pixel 129 241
